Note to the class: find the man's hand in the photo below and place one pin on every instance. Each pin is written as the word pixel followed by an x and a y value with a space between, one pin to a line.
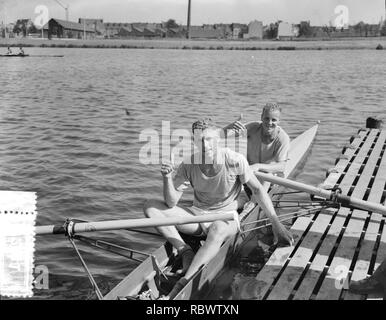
pixel 167 169
pixel 281 234
pixel 238 127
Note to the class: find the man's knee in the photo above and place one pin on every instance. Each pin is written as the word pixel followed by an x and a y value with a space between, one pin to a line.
pixel 219 231
pixel 151 206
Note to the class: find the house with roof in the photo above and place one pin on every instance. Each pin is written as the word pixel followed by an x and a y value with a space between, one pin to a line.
pixel 197 32
pixel 112 28
pixel 255 30
pixel 67 29
pixel 238 30
pixel 175 33
pixel 287 31
pixel 226 29
pixel 135 31
pixel 96 24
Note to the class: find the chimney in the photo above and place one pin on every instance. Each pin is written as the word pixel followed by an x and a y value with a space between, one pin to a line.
pixel 188 24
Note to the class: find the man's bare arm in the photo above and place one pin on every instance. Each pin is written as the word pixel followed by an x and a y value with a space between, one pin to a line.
pixel 273 167
pixel 261 197
pixel 171 195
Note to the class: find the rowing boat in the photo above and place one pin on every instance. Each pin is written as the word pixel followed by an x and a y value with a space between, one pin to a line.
pixel 27 55
pixel 152 277
pixel 14 55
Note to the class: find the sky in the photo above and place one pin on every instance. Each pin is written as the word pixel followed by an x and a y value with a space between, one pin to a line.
pixel 318 12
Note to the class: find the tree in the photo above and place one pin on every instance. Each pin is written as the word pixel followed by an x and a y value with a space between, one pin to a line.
pixel 32 29
pixel 272 30
pixel 24 27
pixel 171 24
pixel 359 27
pixel 327 30
pixel 383 29
pixel 305 29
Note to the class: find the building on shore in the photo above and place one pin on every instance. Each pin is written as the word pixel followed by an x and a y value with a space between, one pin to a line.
pixel 6 30
pixel 255 30
pixel 287 31
pixel 96 24
pixel 112 29
pixel 70 30
pixel 132 31
pixel 206 32
pixel 226 29
pixel 176 32
pixel 238 30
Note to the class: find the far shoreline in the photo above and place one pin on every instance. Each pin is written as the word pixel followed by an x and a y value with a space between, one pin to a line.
pixel 184 44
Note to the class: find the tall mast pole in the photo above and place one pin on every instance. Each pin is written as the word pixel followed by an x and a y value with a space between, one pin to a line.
pixel 188 24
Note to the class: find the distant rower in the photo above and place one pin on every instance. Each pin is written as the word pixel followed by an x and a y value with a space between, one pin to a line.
pixel 21 51
pixel 9 52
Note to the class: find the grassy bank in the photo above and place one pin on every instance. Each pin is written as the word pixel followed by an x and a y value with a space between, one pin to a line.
pixel 342 44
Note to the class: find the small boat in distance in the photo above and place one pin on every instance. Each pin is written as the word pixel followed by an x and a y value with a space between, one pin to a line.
pixel 31 56
pixel 14 55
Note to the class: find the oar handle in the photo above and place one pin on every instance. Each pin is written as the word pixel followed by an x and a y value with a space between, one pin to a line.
pixel 72 227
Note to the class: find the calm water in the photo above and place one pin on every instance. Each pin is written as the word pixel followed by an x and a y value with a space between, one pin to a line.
pixel 64 132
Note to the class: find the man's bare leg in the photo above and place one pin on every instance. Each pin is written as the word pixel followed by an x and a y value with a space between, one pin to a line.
pixel 219 231
pixel 158 209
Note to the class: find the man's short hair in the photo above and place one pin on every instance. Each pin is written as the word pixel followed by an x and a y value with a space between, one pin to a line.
pixel 271 106
pixel 203 124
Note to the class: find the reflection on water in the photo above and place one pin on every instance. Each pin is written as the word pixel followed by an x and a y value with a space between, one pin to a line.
pixel 65 133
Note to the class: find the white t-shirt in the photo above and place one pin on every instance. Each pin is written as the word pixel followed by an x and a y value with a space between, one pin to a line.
pixel 259 152
pixel 221 191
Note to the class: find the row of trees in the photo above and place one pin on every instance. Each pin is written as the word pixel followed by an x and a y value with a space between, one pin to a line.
pixel 361 29
pixel 24 27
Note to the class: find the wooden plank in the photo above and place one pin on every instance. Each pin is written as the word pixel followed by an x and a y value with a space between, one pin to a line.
pixel 269 274
pixel 301 258
pixel 355 166
pixel 381 255
pixel 362 265
pixel 379 187
pixel 368 171
pixel 279 257
pixel 379 182
pixel 310 279
pixel 318 264
pixel 363 261
pixel 344 161
pixel 339 267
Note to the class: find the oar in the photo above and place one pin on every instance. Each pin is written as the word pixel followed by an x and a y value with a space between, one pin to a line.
pixel 73 227
pixel 344 200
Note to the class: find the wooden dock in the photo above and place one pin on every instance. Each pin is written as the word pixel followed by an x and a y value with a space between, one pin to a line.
pixel 336 245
